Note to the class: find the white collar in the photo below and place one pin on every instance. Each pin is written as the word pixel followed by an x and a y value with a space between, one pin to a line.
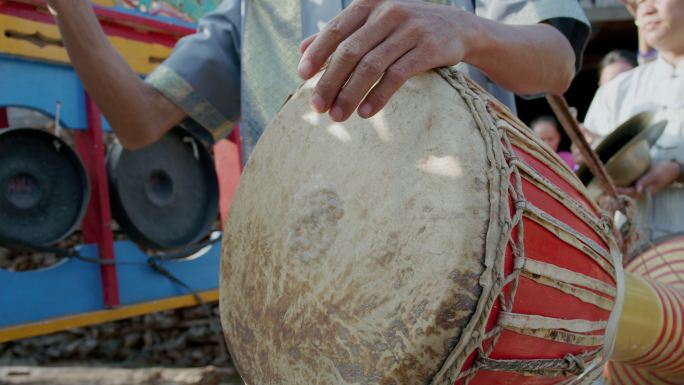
pixel 668 69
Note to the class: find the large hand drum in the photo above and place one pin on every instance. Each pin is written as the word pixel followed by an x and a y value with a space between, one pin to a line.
pixel 437 242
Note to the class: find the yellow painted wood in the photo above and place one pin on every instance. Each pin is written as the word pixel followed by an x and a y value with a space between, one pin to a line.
pixel 641 321
pixel 105 3
pixel 59 324
pixel 36 40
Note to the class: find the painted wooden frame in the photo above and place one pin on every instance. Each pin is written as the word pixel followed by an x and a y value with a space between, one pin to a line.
pixel 75 293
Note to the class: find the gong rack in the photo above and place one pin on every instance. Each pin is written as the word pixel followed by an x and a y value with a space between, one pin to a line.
pixel 110 279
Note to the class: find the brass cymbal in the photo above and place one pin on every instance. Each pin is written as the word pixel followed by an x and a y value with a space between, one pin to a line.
pixel 625 151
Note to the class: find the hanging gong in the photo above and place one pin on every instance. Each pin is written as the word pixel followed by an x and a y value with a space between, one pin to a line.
pixel 164 196
pixel 43 187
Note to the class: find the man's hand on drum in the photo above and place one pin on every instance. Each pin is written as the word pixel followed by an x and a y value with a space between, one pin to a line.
pixel 373 46
pixel 658 177
pixel 369 38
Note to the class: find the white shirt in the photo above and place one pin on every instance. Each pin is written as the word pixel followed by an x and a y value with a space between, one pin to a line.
pixel 657 86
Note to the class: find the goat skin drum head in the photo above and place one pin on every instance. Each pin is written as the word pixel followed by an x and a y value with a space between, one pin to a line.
pixel 353 250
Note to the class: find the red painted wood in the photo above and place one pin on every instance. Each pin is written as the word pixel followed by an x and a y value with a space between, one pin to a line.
pixel 543 246
pixel 542 200
pixel 533 298
pixel 113 23
pixel 91 220
pixel 4 120
pixel 97 224
pixel 553 177
pixel 236 138
pixel 512 346
pixel 227 161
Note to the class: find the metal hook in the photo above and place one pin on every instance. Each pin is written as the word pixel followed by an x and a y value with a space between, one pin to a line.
pixel 195 151
pixel 58 113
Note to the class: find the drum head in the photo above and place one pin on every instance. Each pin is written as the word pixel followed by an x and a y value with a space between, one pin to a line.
pixel 165 195
pixel 43 187
pixel 353 251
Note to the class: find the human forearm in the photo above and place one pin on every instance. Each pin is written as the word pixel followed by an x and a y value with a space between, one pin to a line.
pixel 137 112
pixel 659 176
pixel 523 59
pixel 375 46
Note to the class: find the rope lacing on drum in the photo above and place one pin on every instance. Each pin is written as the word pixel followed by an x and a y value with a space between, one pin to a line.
pixel 506 182
pixel 516 194
pixel 568 365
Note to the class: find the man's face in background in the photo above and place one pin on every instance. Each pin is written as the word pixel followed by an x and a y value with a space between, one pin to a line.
pixel 662 23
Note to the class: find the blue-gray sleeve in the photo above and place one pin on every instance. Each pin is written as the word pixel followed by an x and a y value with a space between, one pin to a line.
pixel 527 12
pixel 202 74
pixel 566 16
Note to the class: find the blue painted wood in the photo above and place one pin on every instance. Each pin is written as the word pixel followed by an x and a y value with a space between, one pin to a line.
pixel 74 287
pixel 40 85
pixel 140 283
pixel 71 287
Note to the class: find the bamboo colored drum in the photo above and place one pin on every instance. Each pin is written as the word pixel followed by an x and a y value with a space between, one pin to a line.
pixel 438 242
pixel 650 337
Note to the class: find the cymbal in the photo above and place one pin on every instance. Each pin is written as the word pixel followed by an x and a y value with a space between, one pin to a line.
pixel 625 151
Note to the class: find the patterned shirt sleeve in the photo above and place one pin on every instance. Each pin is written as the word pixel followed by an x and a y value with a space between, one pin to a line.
pixel 202 75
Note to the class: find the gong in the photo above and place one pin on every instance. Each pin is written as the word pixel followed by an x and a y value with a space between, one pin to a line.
pixel 164 196
pixel 43 187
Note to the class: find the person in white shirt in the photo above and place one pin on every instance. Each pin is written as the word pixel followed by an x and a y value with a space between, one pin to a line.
pixel 659 87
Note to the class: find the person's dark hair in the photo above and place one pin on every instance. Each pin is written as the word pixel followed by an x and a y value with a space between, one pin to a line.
pixel 617 55
pixel 545 119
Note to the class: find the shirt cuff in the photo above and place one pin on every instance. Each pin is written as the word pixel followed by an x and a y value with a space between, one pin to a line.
pixel 170 84
pixel 534 12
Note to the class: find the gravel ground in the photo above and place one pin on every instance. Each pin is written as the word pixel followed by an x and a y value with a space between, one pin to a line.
pixel 180 338
pixel 79 375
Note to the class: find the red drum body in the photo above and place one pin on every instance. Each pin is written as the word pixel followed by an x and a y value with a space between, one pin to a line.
pixel 565 292
pixel 439 242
